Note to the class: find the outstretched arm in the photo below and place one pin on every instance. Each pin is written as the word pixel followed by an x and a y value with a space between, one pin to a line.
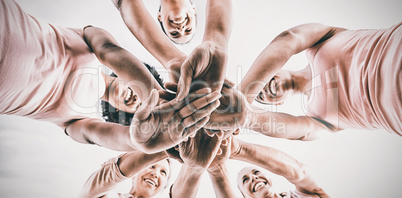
pixel 207 62
pixel 96 131
pixel 197 154
pixel 141 24
pixel 122 62
pixel 218 172
pixel 283 125
pixel 117 170
pixel 276 162
pixel 278 52
pixel 219 22
pixel 234 112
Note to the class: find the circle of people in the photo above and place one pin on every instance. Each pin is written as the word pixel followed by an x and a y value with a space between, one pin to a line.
pixel 51 73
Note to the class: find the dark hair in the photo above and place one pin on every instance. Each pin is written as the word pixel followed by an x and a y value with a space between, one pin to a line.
pixel 111 114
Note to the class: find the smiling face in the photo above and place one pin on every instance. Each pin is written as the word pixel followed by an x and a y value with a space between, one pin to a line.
pixel 123 97
pixel 253 183
pixel 278 89
pixel 178 19
pixel 152 180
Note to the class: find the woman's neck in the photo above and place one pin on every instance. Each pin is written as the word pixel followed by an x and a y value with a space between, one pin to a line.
pixel 302 80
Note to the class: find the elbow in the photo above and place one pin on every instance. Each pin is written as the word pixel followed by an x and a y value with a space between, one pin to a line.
pixel 290 41
pixel 298 174
pixel 107 51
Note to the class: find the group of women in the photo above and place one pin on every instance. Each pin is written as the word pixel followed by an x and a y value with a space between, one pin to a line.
pixel 52 73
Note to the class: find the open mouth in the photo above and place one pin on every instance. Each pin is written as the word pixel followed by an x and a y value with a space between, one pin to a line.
pixel 177 23
pixel 259 185
pixel 272 87
pixel 129 97
pixel 151 182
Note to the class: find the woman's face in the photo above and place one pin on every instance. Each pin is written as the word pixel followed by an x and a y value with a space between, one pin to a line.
pixel 153 179
pixel 122 97
pixel 178 20
pixel 278 89
pixel 253 183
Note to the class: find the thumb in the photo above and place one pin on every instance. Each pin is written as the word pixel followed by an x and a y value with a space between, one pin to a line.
pixel 148 105
pixel 186 76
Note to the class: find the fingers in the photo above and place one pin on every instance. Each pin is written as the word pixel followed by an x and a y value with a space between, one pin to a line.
pixel 228 84
pixel 174 105
pixel 219 152
pixel 192 130
pixel 171 86
pixel 166 95
pixel 148 106
pixel 204 112
pixel 200 104
pixel 186 76
pixel 210 133
pixel 224 142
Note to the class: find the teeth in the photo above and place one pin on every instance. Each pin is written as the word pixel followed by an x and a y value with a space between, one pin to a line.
pixel 150 182
pixel 272 87
pixel 259 185
pixel 128 95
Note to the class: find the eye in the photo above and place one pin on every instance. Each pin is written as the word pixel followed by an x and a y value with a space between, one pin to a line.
pixel 245 179
pixel 163 172
pixel 256 172
pixel 152 167
pixel 189 30
pixel 174 33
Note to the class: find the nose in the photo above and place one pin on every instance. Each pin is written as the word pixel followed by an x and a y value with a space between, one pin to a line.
pixel 255 177
pixel 154 174
pixel 180 27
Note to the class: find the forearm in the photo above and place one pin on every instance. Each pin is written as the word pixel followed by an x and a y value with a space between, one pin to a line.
pixel 116 171
pixel 187 182
pixel 95 131
pixel 133 162
pixel 279 51
pixel 267 64
pixel 271 159
pixel 122 62
pixel 282 125
pixel 220 181
pixel 218 25
pixel 147 31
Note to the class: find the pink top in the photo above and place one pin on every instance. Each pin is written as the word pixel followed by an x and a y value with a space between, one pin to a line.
pixel 47 72
pixel 357 79
pixel 104 180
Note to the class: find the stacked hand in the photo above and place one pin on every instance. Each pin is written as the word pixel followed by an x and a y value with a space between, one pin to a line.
pixel 204 67
pixel 201 150
pixel 158 126
pixel 223 156
pixel 233 112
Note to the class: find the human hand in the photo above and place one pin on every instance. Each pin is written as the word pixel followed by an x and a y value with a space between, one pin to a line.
pixel 317 192
pixel 174 154
pixel 158 127
pixel 223 156
pixel 173 67
pixel 205 66
pixel 233 113
pixel 200 150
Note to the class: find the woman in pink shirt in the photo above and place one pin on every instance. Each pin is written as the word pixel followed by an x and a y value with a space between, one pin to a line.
pixel 52 73
pixel 353 80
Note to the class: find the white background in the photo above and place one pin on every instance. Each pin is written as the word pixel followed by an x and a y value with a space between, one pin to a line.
pixel 38 160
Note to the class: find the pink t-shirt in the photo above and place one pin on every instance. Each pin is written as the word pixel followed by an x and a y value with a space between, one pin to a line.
pixel 104 180
pixel 357 79
pixel 47 72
